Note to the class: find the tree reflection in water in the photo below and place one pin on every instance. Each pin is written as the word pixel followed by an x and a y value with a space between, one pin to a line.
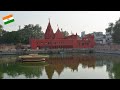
pixel 114 72
pixel 30 70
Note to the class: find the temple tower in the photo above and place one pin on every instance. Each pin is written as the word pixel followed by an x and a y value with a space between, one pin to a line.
pixel 49 32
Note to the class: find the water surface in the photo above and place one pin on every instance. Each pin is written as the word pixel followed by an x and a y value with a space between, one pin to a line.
pixel 63 66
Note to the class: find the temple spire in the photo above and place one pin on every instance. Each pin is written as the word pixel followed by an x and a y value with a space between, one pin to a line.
pixel 49 32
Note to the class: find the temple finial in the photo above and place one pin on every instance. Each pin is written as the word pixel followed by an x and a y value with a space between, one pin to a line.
pixel 49 19
pixel 76 33
pixel 57 26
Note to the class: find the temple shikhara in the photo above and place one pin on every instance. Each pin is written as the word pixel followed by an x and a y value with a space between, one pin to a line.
pixel 58 40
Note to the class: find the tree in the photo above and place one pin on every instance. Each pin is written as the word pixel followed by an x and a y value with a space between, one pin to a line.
pixel 22 35
pixel 10 38
pixel 116 32
pixel 30 31
pixel 110 28
pixel 65 33
pixel 37 33
pixel 1 28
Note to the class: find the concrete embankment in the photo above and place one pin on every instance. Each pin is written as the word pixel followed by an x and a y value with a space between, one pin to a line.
pixel 47 51
pixel 108 52
pixel 58 51
pixel 8 53
pixel 107 49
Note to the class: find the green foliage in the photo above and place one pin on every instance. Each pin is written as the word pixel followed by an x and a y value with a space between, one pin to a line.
pixel 10 38
pixel 116 31
pixel 65 33
pixel 30 31
pixel 110 28
pixel 22 35
pixel 1 27
pixel 116 34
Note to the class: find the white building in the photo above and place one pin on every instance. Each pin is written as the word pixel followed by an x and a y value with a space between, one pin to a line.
pixel 83 34
pixel 104 39
pixel 109 37
pixel 99 37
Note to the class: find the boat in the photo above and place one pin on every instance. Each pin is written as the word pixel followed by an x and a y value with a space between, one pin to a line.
pixel 32 57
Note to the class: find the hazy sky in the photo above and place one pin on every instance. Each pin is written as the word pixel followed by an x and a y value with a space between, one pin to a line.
pixel 75 21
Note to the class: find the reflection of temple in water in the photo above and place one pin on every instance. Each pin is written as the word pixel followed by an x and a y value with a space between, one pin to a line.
pixel 59 64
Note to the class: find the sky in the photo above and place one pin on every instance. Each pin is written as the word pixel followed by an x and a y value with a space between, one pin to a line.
pixel 71 21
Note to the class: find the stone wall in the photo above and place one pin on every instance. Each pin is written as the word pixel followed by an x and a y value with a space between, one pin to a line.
pixel 113 47
pixel 4 47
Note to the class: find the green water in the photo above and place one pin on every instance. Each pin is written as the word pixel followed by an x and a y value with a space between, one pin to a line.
pixel 65 66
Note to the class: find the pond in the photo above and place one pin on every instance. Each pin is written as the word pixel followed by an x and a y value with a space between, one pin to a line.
pixel 63 66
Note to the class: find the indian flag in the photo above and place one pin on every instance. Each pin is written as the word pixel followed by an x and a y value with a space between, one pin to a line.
pixel 8 19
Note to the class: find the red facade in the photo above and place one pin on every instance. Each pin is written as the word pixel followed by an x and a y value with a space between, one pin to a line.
pixel 57 40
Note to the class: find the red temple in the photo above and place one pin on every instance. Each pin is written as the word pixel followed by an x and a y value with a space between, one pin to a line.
pixel 57 40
